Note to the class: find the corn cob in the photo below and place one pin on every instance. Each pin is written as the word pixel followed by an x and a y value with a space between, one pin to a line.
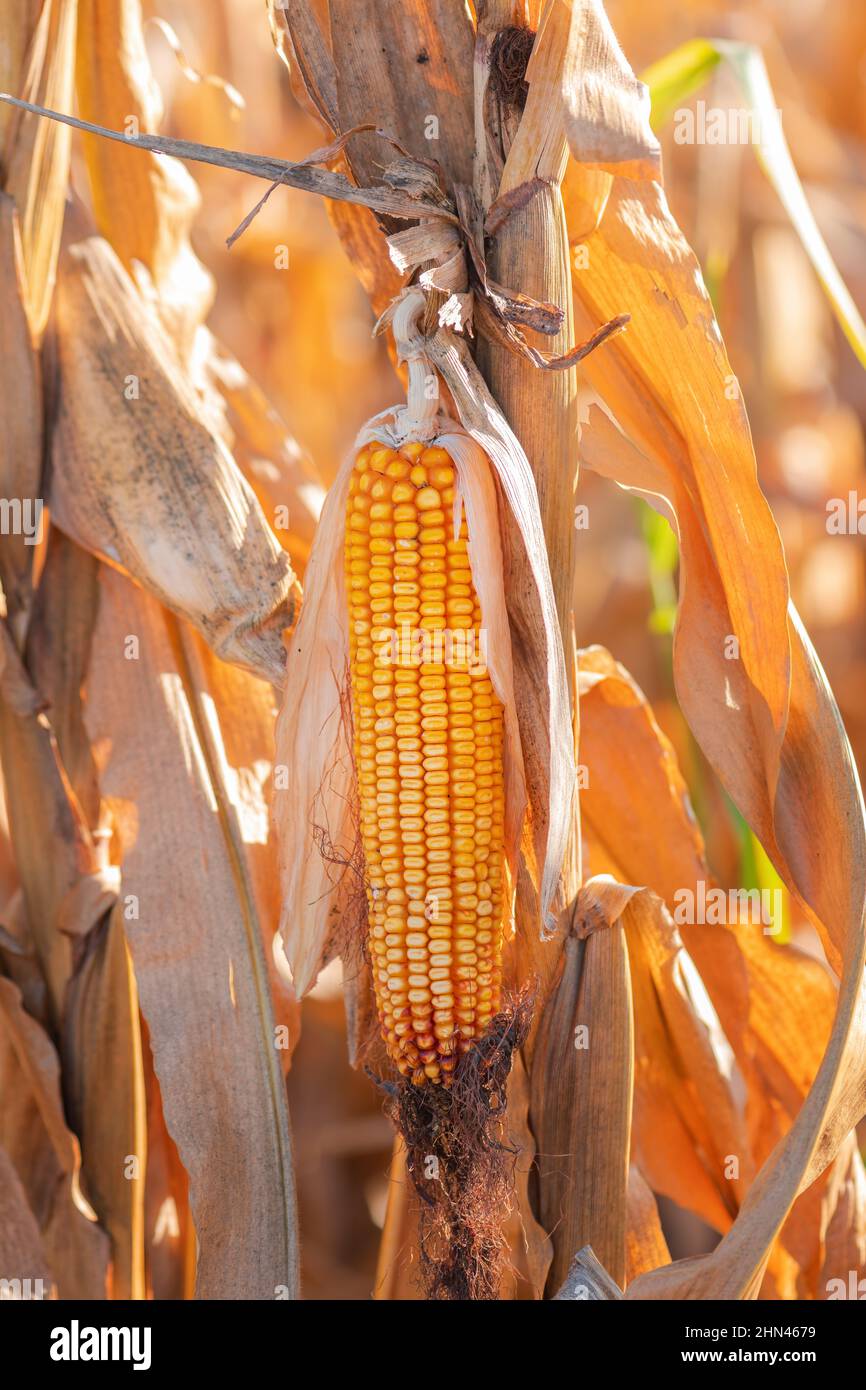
pixel 428 753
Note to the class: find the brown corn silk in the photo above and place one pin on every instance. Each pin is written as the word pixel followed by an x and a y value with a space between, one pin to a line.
pixel 428 749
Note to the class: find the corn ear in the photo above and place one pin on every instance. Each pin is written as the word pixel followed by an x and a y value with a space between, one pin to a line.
pixel 428 750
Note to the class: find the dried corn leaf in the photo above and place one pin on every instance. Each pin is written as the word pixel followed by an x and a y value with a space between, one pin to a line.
pixel 606 107
pixel 44 1155
pixel 646 1246
pixel 297 27
pixel 282 476
pixel 21 1247
pixel 844 1231
pixel 100 1041
pixel 20 430
pixel 761 710
pixel 624 757
pixel 104 1093
pixel 37 151
pixel 19 20
pixel 152 722
pixel 45 811
pixel 58 651
pixel 424 107
pixel 687 1067
pixel 143 204
pixel 170 1242
pixel 142 482
pixel 775 1005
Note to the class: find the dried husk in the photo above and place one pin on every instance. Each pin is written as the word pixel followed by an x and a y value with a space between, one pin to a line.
pixel 583 1078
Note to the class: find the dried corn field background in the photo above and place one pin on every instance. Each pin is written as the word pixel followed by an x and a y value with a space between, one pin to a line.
pixel 687 1099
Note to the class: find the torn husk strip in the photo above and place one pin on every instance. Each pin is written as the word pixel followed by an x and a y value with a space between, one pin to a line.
pixel 142 482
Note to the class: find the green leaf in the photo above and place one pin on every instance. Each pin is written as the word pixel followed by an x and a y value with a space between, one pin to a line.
pixel 673 78
pixel 663 556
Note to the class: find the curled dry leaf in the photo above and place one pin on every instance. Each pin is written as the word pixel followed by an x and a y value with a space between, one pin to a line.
pixel 302 30
pixel 141 481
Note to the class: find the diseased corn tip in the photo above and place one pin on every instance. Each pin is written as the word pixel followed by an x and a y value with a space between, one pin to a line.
pixel 428 757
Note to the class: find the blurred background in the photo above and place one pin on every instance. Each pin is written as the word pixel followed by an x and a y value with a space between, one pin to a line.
pixel 304 336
